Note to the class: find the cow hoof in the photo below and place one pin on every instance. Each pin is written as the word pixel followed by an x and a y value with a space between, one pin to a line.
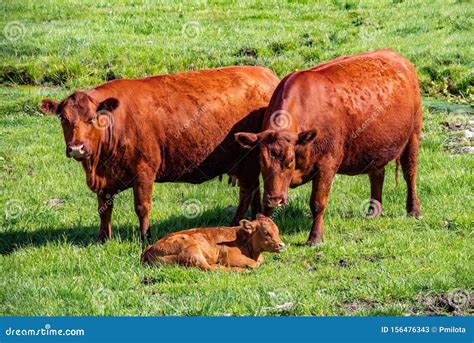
pixel 415 214
pixel 313 242
pixel 102 240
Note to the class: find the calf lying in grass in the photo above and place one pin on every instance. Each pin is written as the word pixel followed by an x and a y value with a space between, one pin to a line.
pixel 221 248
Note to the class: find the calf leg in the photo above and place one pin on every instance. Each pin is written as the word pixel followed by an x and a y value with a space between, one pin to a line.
pixel 376 178
pixel 192 256
pixel 319 198
pixel 142 193
pixel 105 207
pixel 409 162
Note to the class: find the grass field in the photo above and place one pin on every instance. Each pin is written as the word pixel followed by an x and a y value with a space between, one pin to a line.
pixel 394 265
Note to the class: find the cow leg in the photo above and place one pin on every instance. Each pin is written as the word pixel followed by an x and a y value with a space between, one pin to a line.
pixel 105 207
pixel 268 211
pixel 376 178
pixel 142 193
pixel 256 206
pixel 319 198
pixel 409 162
pixel 247 195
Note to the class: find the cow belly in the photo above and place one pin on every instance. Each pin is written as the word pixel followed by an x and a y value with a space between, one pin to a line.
pixel 375 147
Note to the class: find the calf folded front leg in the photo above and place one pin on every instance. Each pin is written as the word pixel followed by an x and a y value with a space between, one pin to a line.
pixel 142 194
pixel 319 198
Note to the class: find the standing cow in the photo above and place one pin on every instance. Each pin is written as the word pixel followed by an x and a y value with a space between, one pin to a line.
pixel 131 133
pixel 351 115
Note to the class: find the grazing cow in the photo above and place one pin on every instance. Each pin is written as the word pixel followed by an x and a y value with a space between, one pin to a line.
pixel 352 115
pixel 221 248
pixel 131 133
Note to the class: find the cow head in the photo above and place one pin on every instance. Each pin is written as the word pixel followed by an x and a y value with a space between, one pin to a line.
pixel 278 150
pixel 82 119
pixel 263 234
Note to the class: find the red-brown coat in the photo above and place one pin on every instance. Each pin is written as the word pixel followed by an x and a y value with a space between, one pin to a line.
pixel 352 115
pixel 131 133
pixel 221 248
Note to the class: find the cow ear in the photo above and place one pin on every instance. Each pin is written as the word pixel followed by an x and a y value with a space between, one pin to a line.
pixel 247 225
pixel 108 105
pixel 49 107
pixel 246 140
pixel 306 137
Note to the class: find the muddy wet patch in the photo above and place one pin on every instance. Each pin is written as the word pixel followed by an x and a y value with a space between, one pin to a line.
pixel 360 305
pixel 459 127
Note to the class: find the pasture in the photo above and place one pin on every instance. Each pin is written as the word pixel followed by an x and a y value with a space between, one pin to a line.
pixel 393 265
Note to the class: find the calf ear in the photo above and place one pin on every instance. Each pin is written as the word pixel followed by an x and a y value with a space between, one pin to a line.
pixel 306 137
pixel 246 140
pixel 49 107
pixel 247 225
pixel 108 105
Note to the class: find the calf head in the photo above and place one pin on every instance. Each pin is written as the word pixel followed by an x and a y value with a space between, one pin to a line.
pixel 278 151
pixel 83 120
pixel 263 234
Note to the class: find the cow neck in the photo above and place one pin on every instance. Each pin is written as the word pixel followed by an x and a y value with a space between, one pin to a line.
pixel 104 152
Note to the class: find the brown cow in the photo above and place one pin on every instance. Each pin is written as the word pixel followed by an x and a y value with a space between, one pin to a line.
pixel 221 248
pixel 352 115
pixel 131 133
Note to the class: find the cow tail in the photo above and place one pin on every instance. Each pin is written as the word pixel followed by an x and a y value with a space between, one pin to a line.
pixel 397 167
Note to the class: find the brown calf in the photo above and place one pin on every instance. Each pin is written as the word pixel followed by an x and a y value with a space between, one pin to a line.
pixel 352 115
pixel 221 248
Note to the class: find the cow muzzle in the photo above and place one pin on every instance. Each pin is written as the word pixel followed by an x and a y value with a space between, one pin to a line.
pixel 279 246
pixel 78 152
pixel 274 202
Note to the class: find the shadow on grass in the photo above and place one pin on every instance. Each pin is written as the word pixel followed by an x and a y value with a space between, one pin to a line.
pixel 12 240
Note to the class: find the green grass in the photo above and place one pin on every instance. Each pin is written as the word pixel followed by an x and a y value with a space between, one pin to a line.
pixel 82 43
pixel 50 263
